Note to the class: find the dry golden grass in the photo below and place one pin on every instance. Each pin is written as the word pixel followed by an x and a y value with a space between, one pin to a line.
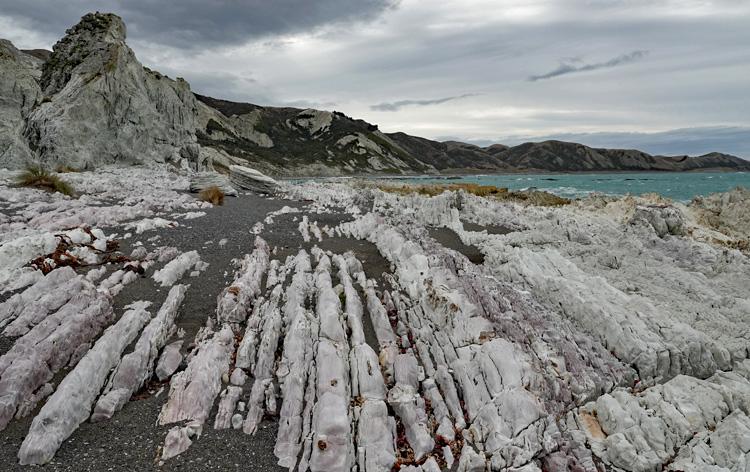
pixel 532 197
pixel 212 194
pixel 39 177
pixel 66 169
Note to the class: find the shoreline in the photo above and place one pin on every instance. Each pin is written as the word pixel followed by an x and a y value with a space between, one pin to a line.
pixel 475 174
pixel 438 295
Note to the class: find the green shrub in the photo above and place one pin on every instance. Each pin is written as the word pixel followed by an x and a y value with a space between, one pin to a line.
pixel 38 177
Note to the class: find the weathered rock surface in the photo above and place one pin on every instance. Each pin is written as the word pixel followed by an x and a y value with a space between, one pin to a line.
pixel 507 354
pixel 102 106
pixel 192 391
pixel 203 180
pixel 37 356
pixel 663 219
pixel 71 403
pixel 686 418
pixel 169 361
pixel 726 212
pixel 19 94
pixel 136 367
pixel 587 341
pixel 251 179
pixel 234 303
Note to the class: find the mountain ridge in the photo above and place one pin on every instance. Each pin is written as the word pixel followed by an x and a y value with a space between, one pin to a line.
pixel 91 102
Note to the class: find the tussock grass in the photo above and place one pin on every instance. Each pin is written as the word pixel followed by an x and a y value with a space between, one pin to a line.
pixel 39 177
pixel 531 197
pixel 212 194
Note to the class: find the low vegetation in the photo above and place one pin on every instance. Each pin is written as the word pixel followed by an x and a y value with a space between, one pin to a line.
pixel 212 194
pixel 66 169
pixel 39 177
pixel 532 197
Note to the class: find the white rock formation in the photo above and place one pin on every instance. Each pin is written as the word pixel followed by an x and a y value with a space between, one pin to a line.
pixel 251 179
pixel 36 357
pixel 136 367
pixel 315 122
pixel 131 114
pixel 192 391
pixel 235 301
pixel 262 363
pixel 20 93
pixel 71 403
pixel 203 180
pixel 296 371
pixel 701 423
pixel 175 269
pixel 169 361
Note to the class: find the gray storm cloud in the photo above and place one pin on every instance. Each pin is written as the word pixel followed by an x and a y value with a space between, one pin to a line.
pixel 571 66
pixel 393 62
pixel 196 24
pixel 396 106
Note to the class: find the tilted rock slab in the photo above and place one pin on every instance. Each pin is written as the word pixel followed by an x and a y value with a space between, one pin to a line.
pixel 176 268
pixel 192 391
pixel 235 301
pixel 251 179
pixel 296 370
pixel 60 338
pixel 137 366
pixel 46 289
pixel 71 403
pixel 203 180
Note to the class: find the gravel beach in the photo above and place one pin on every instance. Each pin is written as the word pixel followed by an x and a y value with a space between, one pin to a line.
pixel 132 440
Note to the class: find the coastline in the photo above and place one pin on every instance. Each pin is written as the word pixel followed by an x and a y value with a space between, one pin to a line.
pixel 442 295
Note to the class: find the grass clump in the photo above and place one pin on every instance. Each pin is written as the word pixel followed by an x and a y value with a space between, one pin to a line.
pixel 39 177
pixel 66 169
pixel 212 194
pixel 432 190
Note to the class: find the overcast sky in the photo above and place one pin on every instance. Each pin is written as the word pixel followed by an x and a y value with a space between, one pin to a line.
pixel 603 72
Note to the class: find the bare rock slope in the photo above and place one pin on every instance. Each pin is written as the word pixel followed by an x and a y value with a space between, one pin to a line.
pixel 100 105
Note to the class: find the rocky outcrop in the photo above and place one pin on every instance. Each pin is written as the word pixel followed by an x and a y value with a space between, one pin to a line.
pixel 725 212
pixel 102 106
pixel 663 219
pixel 251 179
pixel 19 94
pixel 203 180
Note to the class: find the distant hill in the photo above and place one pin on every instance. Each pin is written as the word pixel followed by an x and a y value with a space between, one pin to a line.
pixel 559 156
pixel 91 102
pixel 331 143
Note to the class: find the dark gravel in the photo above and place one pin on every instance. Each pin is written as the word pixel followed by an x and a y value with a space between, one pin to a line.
pixel 448 238
pixel 131 440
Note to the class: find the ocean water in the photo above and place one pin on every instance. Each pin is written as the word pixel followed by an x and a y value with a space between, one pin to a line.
pixel 680 186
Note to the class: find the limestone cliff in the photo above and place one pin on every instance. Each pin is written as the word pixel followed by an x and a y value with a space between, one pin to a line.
pixel 100 105
pixel 19 93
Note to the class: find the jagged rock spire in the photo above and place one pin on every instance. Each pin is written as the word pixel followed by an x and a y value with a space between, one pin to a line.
pixel 94 36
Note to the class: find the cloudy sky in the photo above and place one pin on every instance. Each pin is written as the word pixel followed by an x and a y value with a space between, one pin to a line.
pixel 668 76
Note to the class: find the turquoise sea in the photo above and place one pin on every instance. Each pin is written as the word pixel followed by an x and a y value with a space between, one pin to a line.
pixel 676 185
